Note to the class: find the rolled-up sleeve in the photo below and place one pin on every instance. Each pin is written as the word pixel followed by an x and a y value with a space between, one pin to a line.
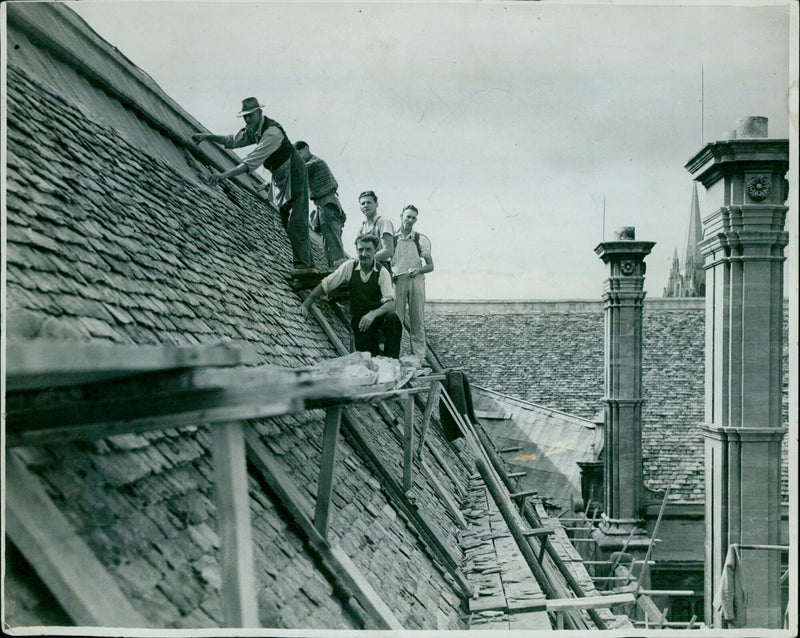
pixel 237 141
pixel 267 145
pixel 387 288
pixel 384 227
pixel 339 276
pixel 424 245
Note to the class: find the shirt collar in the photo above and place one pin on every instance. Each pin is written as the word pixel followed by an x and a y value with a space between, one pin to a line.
pixel 374 265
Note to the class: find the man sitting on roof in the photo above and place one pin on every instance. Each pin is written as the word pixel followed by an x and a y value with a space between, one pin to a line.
pixel 371 299
pixel 289 177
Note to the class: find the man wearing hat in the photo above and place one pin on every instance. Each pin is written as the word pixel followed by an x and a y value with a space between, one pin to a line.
pixel 275 152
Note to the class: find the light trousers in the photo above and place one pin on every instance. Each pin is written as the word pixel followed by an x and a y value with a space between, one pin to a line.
pixel 409 304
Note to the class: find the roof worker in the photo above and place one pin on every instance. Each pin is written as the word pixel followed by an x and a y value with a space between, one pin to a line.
pixel 329 215
pixel 378 226
pixel 371 299
pixel 289 177
pixel 411 260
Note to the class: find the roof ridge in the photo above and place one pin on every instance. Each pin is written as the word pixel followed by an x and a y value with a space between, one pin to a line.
pixel 78 110
pixel 528 404
pixel 126 82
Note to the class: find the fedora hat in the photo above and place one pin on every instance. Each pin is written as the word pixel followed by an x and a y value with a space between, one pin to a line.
pixel 249 104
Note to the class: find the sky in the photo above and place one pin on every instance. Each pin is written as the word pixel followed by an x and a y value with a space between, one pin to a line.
pixel 511 126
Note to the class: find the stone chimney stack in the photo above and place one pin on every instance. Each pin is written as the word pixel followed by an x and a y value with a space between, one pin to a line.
pixel 743 244
pixel 623 298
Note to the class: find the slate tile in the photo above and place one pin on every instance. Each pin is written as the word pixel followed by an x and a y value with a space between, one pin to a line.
pixel 179 550
pixel 138 574
pixel 181 589
pixel 204 536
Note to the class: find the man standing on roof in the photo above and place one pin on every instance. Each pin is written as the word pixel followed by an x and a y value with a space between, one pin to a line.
pixel 322 186
pixel 289 177
pixel 411 260
pixel 371 299
pixel 377 226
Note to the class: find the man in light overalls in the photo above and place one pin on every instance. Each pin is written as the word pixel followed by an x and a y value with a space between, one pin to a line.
pixel 411 260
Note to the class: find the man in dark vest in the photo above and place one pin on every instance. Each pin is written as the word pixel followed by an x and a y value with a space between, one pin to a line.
pixel 371 299
pixel 274 151
pixel 329 215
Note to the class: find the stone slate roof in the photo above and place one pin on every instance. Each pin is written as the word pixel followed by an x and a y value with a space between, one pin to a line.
pixel 551 354
pixel 109 241
pixel 544 443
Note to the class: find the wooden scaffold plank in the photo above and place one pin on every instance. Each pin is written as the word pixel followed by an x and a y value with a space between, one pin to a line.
pixel 408 442
pixel 349 579
pixel 63 561
pixel 232 498
pixel 330 437
pixel 419 521
pixel 41 363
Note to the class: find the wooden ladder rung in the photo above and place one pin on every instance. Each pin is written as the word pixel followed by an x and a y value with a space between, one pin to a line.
pixel 539 531
pixel 524 494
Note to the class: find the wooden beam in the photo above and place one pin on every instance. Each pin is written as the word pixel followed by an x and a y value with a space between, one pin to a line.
pixel 525 494
pixel 140 404
pixel 203 395
pixel 539 531
pixel 515 526
pixel 330 437
pixel 408 442
pixel 335 561
pixel 555 605
pixel 232 498
pixel 589 602
pixel 45 363
pixel 418 520
pixel 451 506
pixel 509 450
pixel 433 396
pixel 646 562
pixel 328 330
pixel 63 561
pixel 496 463
pixel 611 578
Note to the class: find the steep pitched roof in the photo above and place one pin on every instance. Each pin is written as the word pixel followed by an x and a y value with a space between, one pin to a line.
pixel 113 237
pixel 551 354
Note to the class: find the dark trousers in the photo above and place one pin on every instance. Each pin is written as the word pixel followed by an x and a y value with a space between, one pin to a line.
pixel 367 340
pixel 294 213
pixel 331 220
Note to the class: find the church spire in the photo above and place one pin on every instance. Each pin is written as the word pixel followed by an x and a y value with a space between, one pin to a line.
pixel 688 279
pixel 694 275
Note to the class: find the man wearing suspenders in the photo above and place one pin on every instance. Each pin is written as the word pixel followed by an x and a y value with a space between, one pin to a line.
pixel 411 260
pixel 289 177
